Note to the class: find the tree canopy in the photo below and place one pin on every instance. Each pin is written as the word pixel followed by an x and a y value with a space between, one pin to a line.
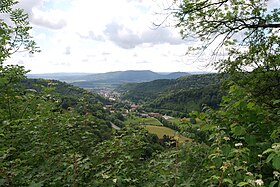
pixel 241 27
pixel 247 30
pixel 14 31
pixel 209 19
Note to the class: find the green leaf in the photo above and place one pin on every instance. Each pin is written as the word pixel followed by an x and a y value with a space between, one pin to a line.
pixel 250 140
pixel 227 180
pixel 242 183
pixel 276 162
pixel 207 127
pixel 267 151
pixel 250 105
pixel 2 182
pixel 226 149
pixel 2 31
pixel 40 184
pixel 202 116
pixel 273 183
pixel 238 130
pixel 236 104
pixel 226 98
pixel 276 101
pixel 215 177
pixel 276 133
pixel 270 157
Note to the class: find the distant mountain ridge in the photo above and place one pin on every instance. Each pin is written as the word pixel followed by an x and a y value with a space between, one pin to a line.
pixel 134 76
pixel 112 78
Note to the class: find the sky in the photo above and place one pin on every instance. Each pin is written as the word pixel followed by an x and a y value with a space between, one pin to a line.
pixel 96 36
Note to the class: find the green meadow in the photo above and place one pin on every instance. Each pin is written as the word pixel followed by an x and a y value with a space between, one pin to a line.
pixel 160 131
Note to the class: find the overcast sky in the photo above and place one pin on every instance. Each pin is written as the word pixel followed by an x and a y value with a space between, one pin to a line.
pixel 103 35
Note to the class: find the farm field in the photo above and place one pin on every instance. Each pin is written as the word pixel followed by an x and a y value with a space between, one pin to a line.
pixel 160 131
pixel 178 121
pixel 136 120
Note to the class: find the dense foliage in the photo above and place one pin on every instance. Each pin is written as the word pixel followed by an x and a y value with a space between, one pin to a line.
pixel 51 138
pixel 70 96
pixel 244 132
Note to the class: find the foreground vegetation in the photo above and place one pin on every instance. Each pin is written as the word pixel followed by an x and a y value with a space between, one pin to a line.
pixel 50 139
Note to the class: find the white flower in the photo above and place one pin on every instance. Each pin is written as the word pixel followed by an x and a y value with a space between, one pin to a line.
pixel 249 173
pixel 5 123
pixel 275 145
pixel 238 144
pixel 259 182
pixel 105 176
pixel 276 174
pixel 31 90
pixel 226 138
pixel 115 180
pixel 52 84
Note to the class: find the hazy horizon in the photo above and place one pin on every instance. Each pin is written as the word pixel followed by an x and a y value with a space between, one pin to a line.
pixel 160 72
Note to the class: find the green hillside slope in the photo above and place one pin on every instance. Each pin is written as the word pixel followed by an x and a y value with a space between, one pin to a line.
pixel 183 94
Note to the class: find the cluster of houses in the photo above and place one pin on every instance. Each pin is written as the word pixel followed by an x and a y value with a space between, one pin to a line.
pixel 108 93
pixel 148 115
pixel 135 108
pixel 154 115
pixel 113 96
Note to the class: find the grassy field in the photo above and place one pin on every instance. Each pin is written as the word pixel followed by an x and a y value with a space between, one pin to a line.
pixel 178 121
pixel 155 127
pixel 160 131
pixel 135 120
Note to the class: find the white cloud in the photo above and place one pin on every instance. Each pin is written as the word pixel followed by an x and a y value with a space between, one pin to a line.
pixel 102 36
pixel 51 19
pixel 127 38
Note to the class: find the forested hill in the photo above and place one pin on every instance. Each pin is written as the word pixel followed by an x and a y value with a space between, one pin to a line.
pixel 183 94
pixel 62 89
pixel 69 97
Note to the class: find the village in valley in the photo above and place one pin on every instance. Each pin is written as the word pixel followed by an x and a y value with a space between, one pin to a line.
pixel 164 126
pixel 129 107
